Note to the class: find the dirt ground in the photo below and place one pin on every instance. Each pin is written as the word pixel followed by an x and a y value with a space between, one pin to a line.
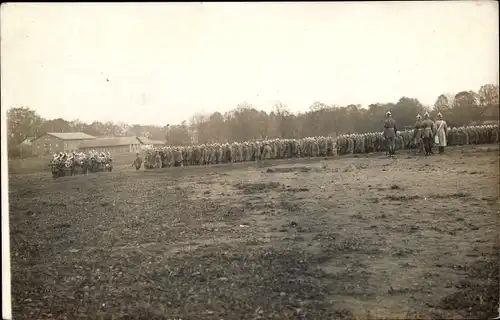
pixel 347 238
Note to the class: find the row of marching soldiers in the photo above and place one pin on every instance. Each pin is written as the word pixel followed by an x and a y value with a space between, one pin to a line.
pixel 425 135
pixel 220 153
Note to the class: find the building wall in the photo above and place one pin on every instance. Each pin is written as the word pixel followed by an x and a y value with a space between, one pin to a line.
pixel 135 148
pixel 46 145
pixel 115 149
pixel 72 145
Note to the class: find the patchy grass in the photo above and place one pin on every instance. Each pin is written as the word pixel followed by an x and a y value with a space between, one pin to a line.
pixel 346 238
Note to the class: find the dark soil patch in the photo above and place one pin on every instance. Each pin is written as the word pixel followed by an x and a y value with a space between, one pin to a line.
pixel 257 187
pixel 457 195
pixel 479 293
pixel 292 189
pixel 402 197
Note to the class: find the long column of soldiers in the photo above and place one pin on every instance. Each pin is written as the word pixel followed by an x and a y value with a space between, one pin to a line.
pixel 219 153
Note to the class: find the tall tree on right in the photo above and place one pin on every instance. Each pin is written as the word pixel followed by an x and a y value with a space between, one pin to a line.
pixel 465 108
pixel 489 102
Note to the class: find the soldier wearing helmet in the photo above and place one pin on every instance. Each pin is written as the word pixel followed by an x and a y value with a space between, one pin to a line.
pixel 137 162
pixel 390 132
pixel 441 132
pixel 157 159
pixel 417 134
pixel 428 134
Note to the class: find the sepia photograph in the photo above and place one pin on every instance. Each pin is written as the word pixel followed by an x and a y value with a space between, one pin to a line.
pixel 250 161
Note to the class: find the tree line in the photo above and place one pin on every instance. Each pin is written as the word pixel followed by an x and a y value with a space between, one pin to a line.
pixel 246 122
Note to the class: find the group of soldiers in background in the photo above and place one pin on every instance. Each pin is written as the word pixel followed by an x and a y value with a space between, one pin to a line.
pixel 422 138
pixel 72 163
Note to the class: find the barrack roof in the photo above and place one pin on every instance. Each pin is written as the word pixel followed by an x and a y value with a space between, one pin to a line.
pixel 71 135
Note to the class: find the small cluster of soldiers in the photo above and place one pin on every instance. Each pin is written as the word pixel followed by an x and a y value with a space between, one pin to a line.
pixel 74 156
pixel 75 162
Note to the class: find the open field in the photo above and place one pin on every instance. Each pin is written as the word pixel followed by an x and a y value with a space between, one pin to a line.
pixel 346 238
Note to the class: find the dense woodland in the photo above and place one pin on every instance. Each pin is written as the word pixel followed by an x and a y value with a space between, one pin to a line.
pixel 246 122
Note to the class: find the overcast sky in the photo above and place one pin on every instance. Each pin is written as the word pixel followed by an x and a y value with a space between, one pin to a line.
pixel 161 63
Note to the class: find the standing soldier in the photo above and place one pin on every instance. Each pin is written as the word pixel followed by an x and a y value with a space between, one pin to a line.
pixel 441 131
pixel 330 145
pixel 178 159
pixel 137 162
pixel 417 134
pixel 428 134
pixel 148 160
pixel 350 143
pixel 390 132
pixel 157 160
pixel 267 152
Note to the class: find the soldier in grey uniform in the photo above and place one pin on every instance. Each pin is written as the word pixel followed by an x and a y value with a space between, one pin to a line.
pixel 390 132
pixel 137 162
pixel 417 134
pixel 157 160
pixel 428 134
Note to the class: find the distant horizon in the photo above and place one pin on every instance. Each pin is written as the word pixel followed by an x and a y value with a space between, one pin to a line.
pixel 427 106
pixel 158 64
